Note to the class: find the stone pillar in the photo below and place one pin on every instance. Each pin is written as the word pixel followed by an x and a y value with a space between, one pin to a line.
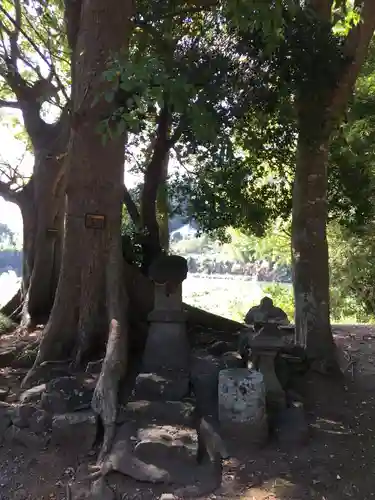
pixel 167 346
pixel 265 347
pixel 242 406
pixel 165 363
pixel 266 365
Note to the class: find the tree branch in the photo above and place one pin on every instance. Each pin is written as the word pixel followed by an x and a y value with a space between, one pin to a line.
pixel 7 193
pixel 72 14
pixel 355 48
pixel 14 36
pixel 30 97
pixel 15 50
pixel 176 134
pixel 323 8
pixel 9 104
pixel 153 178
pixel 131 208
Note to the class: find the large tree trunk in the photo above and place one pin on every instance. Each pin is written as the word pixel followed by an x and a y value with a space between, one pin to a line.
pixel 28 212
pixel 91 281
pixel 310 248
pixel 162 206
pixel 319 111
pixel 43 219
pixel 84 294
pixel 152 179
pixel 42 208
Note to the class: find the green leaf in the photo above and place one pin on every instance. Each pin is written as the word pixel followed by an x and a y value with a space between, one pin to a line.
pixel 121 127
pixel 109 96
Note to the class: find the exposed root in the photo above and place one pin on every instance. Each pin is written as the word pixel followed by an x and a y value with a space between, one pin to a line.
pixel 101 491
pixel 122 459
pixel 105 399
pixel 34 369
pixel 13 308
pixel 109 436
pixel 96 472
pixel 29 375
pixel 55 362
pixel 68 492
pixel 26 321
pixel 95 488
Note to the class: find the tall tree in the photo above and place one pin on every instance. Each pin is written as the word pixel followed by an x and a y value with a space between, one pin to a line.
pixel 90 292
pixel 320 105
pixel 33 63
pixel 186 82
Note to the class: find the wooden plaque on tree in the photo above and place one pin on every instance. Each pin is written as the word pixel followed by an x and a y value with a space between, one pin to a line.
pixel 52 232
pixel 95 221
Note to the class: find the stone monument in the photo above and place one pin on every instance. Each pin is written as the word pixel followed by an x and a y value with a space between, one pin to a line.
pixel 266 312
pixel 264 348
pixel 166 359
pixel 242 405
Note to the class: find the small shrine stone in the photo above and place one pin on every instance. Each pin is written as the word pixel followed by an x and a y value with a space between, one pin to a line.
pixel 167 348
pixel 242 405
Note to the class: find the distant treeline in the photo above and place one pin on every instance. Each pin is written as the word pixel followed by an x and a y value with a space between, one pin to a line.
pixel 11 260
pixel 261 270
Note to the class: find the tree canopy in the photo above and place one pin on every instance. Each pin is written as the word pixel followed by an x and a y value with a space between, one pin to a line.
pixel 210 87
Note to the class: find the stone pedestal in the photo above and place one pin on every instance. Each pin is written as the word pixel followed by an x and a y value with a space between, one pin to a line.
pixel 242 406
pixel 265 347
pixel 166 359
pixel 167 346
pixel 266 365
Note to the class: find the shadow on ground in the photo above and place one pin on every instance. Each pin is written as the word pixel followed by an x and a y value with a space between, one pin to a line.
pixel 335 465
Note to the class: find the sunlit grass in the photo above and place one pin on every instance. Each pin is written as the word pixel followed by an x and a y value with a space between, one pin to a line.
pixel 6 324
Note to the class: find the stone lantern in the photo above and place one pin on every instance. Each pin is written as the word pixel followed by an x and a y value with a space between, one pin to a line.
pixel 167 352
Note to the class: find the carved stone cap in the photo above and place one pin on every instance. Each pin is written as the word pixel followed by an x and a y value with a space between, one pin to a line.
pixel 168 269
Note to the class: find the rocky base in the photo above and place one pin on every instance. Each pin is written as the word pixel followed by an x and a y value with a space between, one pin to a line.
pixel 162 386
pixel 57 411
pixel 176 446
pixel 157 444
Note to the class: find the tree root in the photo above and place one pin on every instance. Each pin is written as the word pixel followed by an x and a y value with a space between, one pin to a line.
pixel 29 376
pixel 97 490
pixel 114 366
pixel 121 459
pixel 13 307
pixel 105 398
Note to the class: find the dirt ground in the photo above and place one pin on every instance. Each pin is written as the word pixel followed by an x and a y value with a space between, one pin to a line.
pixel 337 464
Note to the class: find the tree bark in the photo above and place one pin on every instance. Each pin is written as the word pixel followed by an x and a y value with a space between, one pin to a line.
pixel 89 254
pixel 310 249
pixel 152 180
pixel 12 309
pixel 162 206
pixel 43 219
pixel 41 203
pixel 28 212
pixel 42 200
pixel 319 113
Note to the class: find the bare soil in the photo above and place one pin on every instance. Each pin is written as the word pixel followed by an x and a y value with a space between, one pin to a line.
pixel 337 464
